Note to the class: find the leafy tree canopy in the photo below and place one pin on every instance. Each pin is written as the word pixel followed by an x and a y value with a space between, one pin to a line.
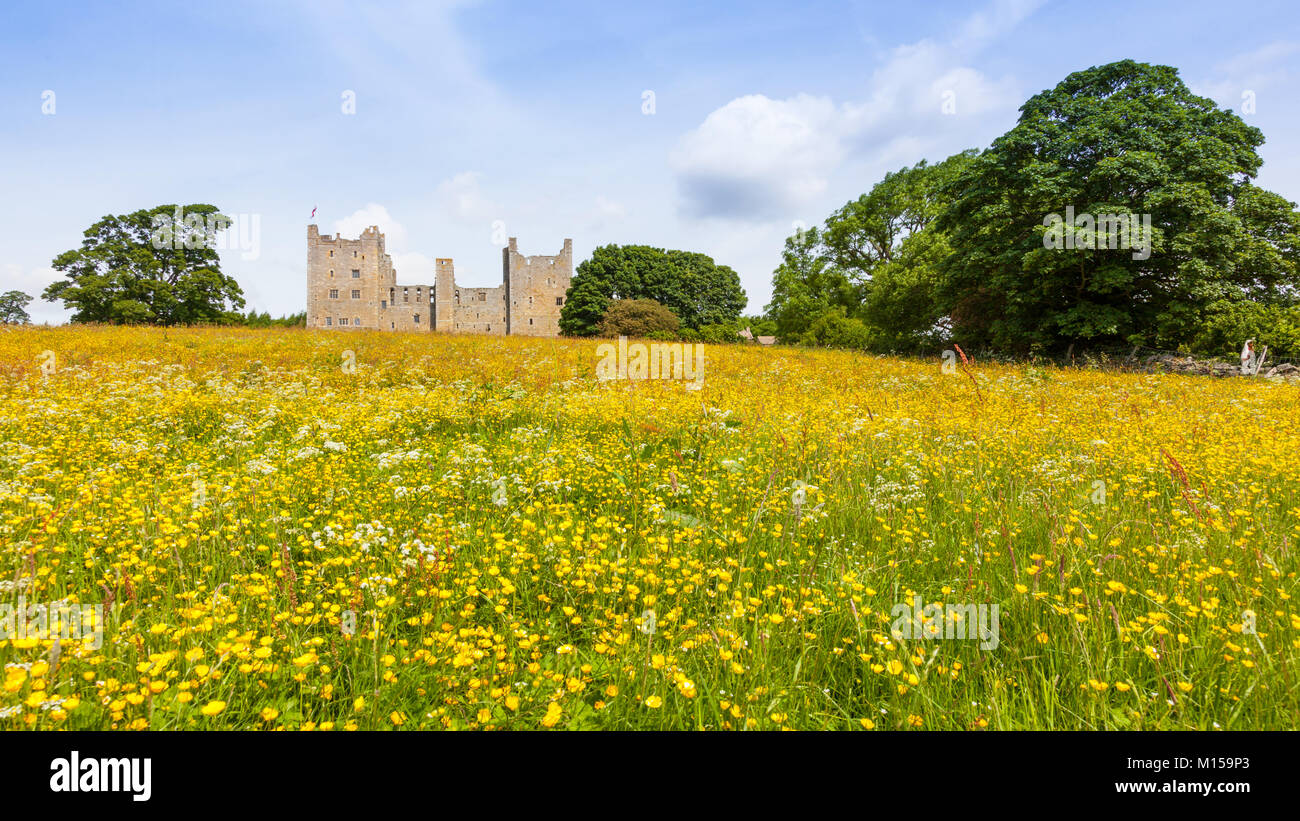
pixel 874 261
pixel 698 290
pixel 1126 139
pixel 13 308
pixel 148 268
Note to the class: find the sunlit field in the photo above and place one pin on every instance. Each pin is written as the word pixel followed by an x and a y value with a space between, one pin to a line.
pixel 473 532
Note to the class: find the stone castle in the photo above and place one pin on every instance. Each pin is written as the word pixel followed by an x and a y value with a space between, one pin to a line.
pixel 351 283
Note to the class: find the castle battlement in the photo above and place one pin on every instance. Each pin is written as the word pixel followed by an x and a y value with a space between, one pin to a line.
pixel 351 283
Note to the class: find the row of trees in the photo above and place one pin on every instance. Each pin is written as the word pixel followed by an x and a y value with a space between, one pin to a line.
pixel 956 251
pixel 13 311
pixel 264 320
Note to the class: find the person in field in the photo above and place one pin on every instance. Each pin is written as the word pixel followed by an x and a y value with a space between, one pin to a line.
pixel 1248 358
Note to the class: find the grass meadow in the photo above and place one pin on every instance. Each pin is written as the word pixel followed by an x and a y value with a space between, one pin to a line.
pixel 296 530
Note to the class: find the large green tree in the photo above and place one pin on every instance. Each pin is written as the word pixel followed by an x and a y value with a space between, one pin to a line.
pixel 807 285
pixel 875 260
pixel 1125 139
pixel 698 290
pixel 149 268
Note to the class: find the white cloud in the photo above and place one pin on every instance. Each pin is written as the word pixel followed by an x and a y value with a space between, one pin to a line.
pixel 756 158
pixel 413 268
pixel 351 226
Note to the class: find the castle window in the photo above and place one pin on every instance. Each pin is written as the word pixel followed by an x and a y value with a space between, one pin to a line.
pixel 331 273
pixel 357 322
pixel 354 253
pixel 530 320
pixel 356 294
pixel 356 274
pixel 482 297
pixel 331 254
pixel 417 319
pixel 383 304
pixel 343 320
pixel 329 322
pixel 559 300
pixel 334 293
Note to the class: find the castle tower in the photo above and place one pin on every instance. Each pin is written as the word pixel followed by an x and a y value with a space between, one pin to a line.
pixel 347 280
pixel 444 283
pixel 535 289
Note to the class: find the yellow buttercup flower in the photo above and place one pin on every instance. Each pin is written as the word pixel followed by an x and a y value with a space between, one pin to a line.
pixel 553 713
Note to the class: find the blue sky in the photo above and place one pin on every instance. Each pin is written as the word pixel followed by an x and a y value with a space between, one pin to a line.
pixel 471 116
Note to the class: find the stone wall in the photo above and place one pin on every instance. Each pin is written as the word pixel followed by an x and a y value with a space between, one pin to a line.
pixel 481 310
pixel 410 308
pixel 1210 367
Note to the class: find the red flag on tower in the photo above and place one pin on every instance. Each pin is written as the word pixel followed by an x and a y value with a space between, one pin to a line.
pixel 313 211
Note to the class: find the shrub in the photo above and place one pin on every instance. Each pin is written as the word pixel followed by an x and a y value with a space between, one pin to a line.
pixel 1228 324
pixel 637 317
pixel 835 330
